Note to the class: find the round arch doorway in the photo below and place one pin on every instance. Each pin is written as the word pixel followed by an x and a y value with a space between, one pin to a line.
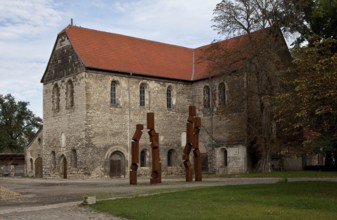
pixel 117 164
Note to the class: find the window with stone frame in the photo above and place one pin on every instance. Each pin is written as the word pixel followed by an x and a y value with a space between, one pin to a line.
pixel 113 93
pixel 56 98
pixel 171 156
pixel 222 94
pixel 74 158
pixel 169 103
pixel 142 90
pixel 143 158
pixel 224 158
pixel 53 160
pixel 69 94
pixel 31 164
pixel 207 97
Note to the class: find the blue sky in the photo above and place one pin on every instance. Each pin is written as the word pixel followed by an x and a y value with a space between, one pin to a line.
pixel 28 29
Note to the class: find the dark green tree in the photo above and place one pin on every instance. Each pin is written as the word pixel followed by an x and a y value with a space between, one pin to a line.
pixel 306 109
pixel 18 124
pixel 309 102
pixel 321 18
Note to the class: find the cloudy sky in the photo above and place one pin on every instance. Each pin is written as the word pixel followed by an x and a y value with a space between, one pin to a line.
pixel 28 29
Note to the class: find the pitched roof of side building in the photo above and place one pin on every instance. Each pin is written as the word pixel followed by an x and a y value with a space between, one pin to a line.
pixel 114 52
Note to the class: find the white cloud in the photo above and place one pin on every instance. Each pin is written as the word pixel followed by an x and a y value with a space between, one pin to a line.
pixel 22 17
pixel 27 32
pixel 186 23
pixel 28 29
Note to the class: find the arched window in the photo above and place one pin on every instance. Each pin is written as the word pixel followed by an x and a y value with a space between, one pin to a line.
pixel 31 164
pixel 224 158
pixel 143 158
pixel 70 94
pixel 171 156
pixel 222 94
pixel 142 94
pixel 169 97
pixel 113 93
pixel 53 160
pixel 63 140
pixel 207 97
pixel 56 98
pixel 73 158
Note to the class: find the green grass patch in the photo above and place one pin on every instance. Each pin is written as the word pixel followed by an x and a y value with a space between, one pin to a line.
pixel 281 174
pixel 297 200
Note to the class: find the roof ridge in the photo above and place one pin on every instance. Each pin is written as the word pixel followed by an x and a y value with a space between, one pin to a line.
pixel 123 35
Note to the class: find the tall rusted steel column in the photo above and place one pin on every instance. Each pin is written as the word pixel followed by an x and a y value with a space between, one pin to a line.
pixel 135 153
pixel 192 141
pixel 196 151
pixel 154 139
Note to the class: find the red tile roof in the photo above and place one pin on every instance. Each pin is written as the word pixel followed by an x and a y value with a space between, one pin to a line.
pixel 114 52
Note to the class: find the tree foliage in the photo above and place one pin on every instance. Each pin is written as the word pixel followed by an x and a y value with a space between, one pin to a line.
pixel 306 108
pixel 321 18
pixel 261 54
pixel 306 103
pixel 309 100
pixel 18 124
pixel 236 17
pixel 302 17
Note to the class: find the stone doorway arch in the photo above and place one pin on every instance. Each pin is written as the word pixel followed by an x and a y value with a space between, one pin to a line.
pixel 63 166
pixel 117 164
pixel 38 167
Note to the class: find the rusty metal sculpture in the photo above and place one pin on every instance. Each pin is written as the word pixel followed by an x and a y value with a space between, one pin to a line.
pixel 192 142
pixel 135 153
pixel 154 139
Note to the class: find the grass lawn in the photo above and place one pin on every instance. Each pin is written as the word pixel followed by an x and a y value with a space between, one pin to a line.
pixel 296 200
pixel 281 174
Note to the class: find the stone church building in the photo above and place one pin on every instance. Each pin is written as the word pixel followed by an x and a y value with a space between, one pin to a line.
pixel 97 86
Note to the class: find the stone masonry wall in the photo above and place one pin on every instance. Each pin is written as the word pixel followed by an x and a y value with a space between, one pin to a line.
pixel 222 125
pixel 64 130
pixel 110 128
pixel 33 151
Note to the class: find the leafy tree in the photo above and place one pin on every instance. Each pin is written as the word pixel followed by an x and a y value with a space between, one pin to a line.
pixel 321 18
pixel 306 103
pixel 236 17
pixel 18 124
pixel 309 102
pixel 261 52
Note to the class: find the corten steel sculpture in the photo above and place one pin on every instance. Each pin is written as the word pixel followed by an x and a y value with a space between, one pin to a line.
pixel 192 141
pixel 135 153
pixel 154 139
pixel 196 151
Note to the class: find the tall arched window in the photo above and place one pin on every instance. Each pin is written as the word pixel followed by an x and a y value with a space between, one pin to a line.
pixel 53 160
pixel 70 94
pixel 222 94
pixel 113 93
pixel 31 164
pixel 171 155
pixel 56 98
pixel 73 158
pixel 143 158
pixel 142 89
pixel 169 97
pixel 207 97
pixel 224 158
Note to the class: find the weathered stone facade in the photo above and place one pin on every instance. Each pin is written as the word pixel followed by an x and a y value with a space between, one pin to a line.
pixel 90 115
pixel 33 156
